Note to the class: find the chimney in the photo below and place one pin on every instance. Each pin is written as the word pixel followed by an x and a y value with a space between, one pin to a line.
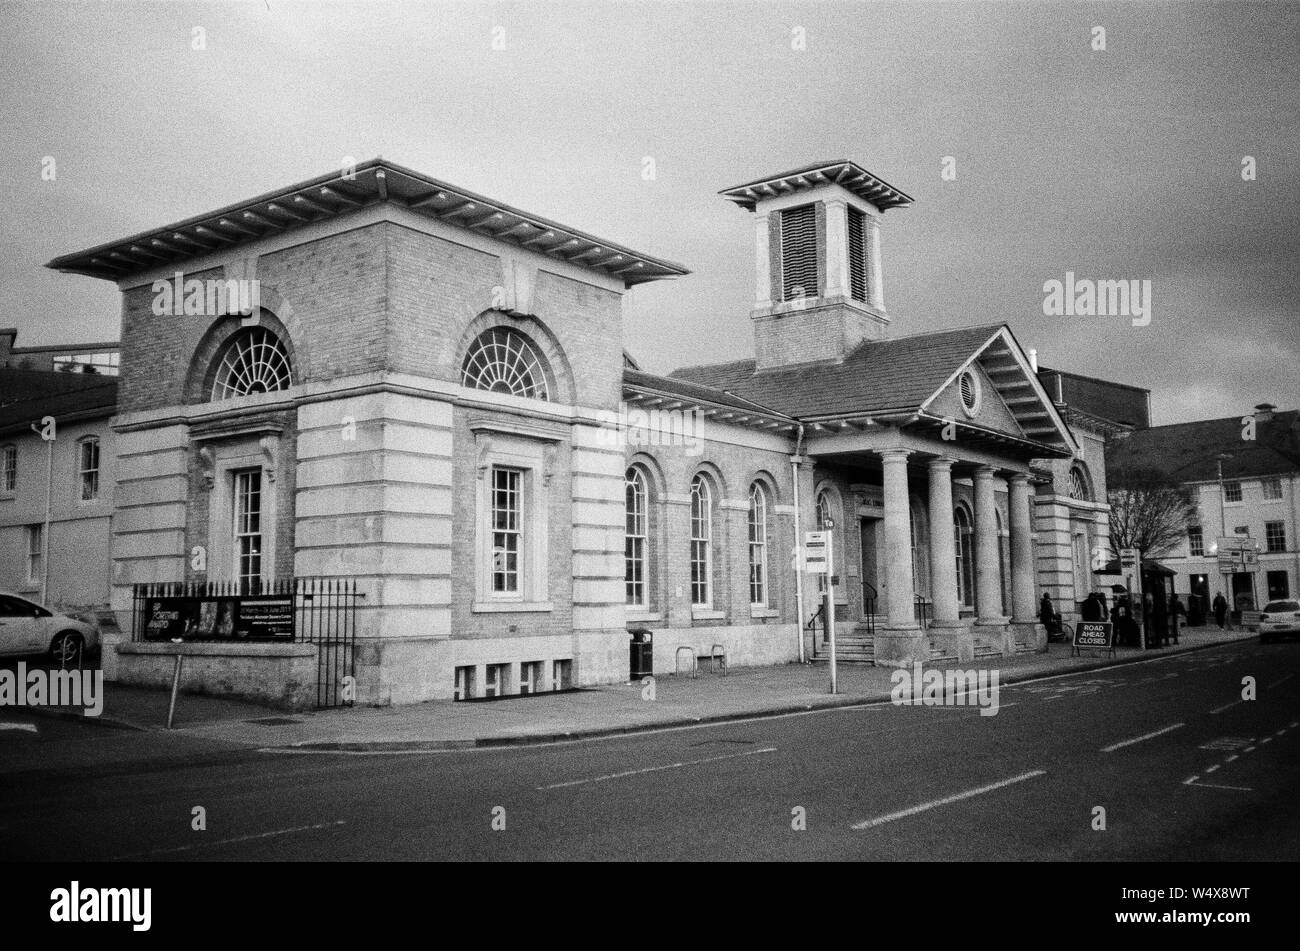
pixel 819 291
pixel 1264 412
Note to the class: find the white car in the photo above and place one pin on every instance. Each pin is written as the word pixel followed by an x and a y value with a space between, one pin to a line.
pixel 27 628
pixel 1279 618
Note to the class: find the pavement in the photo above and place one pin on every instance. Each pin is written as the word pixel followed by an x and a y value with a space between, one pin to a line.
pixel 215 723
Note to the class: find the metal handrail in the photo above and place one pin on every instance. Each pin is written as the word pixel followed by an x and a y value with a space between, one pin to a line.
pixel 812 625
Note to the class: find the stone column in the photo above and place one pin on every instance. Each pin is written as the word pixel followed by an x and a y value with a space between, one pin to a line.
pixel 762 263
pixel 988 592
pixel 1022 550
pixel 943 556
pixel 837 249
pixel 898 541
pixel 875 278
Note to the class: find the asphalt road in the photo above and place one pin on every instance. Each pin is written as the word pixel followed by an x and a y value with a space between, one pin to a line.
pixel 1184 769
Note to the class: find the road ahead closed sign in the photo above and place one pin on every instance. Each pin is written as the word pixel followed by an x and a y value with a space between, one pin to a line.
pixel 1094 635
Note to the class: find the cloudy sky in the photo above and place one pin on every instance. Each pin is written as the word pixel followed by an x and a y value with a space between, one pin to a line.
pixel 1117 164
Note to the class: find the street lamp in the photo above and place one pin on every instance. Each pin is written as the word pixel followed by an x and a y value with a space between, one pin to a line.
pixel 1223 512
pixel 1223 519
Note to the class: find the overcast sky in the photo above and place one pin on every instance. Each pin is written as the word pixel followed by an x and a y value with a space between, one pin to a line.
pixel 1122 164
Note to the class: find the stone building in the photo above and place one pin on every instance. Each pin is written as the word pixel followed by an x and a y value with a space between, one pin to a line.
pixel 1243 475
pixel 57 462
pixel 427 391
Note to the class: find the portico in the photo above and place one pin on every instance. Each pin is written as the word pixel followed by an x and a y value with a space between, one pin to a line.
pixel 919 614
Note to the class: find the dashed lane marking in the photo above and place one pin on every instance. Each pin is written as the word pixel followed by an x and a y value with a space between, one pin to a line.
pixel 957 797
pixel 23 727
pixel 655 769
pixel 1138 739
pixel 241 838
pixel 1226 706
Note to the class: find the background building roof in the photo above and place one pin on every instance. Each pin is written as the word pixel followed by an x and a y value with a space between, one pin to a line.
pixel 1187 451
pixel 28 395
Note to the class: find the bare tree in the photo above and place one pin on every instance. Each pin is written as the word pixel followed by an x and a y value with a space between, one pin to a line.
pixel 1148 511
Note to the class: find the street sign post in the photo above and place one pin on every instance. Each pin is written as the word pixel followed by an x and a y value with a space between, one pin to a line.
pixel 818 558
pixel 1130 566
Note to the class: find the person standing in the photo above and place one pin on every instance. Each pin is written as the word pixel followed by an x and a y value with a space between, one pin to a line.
pixel 1046 616
pixel 1220 608
pixel 1176 610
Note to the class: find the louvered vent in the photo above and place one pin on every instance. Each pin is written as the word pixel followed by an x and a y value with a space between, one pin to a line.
pixel 799 252
pixel 857 255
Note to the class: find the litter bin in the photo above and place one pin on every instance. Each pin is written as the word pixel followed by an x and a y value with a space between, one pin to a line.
pixel 642 653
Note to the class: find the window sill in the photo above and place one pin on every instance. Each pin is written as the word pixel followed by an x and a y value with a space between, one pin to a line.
pixel 509 607
pixel 641 614
pixel 763 612
pixel 707 614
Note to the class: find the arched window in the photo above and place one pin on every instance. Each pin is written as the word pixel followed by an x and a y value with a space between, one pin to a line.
pixel 9 469
pixel 253 361
pixel 701 543
pixel 920 553
pixel 635 558
pixel 502 360
pixel 88 468
pixel 964 544
pixel 1004 563
pixel 757 545
pixel 824 519
pixel 1079 484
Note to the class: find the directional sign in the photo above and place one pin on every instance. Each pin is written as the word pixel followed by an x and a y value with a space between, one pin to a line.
pixel 1128 557
pixel 814 551
pixel 1237 543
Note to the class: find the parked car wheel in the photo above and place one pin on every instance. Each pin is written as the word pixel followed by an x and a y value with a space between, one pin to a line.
pixel 67 650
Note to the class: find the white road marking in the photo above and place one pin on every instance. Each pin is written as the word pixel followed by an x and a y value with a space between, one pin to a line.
pixel 242 838
pixel 654 769
pixel 1213 786
pixel 1226 706
pixel 1189 782
pixel 1210 769
pixel 1231 758
pixel 1267 739
pixel 881 820
pixel 1249 749
pixel 1278 683
pixel 1138 739
pixel 24 727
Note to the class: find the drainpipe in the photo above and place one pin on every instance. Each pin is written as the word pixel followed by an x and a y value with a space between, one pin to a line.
pixel 795 461
pixel 45 532
pixel 1293 538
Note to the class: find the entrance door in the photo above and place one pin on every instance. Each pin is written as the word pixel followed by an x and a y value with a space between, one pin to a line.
pixel 868 549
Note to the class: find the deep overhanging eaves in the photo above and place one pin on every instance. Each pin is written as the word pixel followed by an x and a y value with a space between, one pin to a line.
pixel 330 196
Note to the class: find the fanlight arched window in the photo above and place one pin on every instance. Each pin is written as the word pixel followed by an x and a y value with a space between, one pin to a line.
pixel 701 543
pixel 964 539
pixel 635 538
pixel 502 360
pixel 1079 485
pixel 757 545
pixel 824 519
pixel 254 361
pixel 920 552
